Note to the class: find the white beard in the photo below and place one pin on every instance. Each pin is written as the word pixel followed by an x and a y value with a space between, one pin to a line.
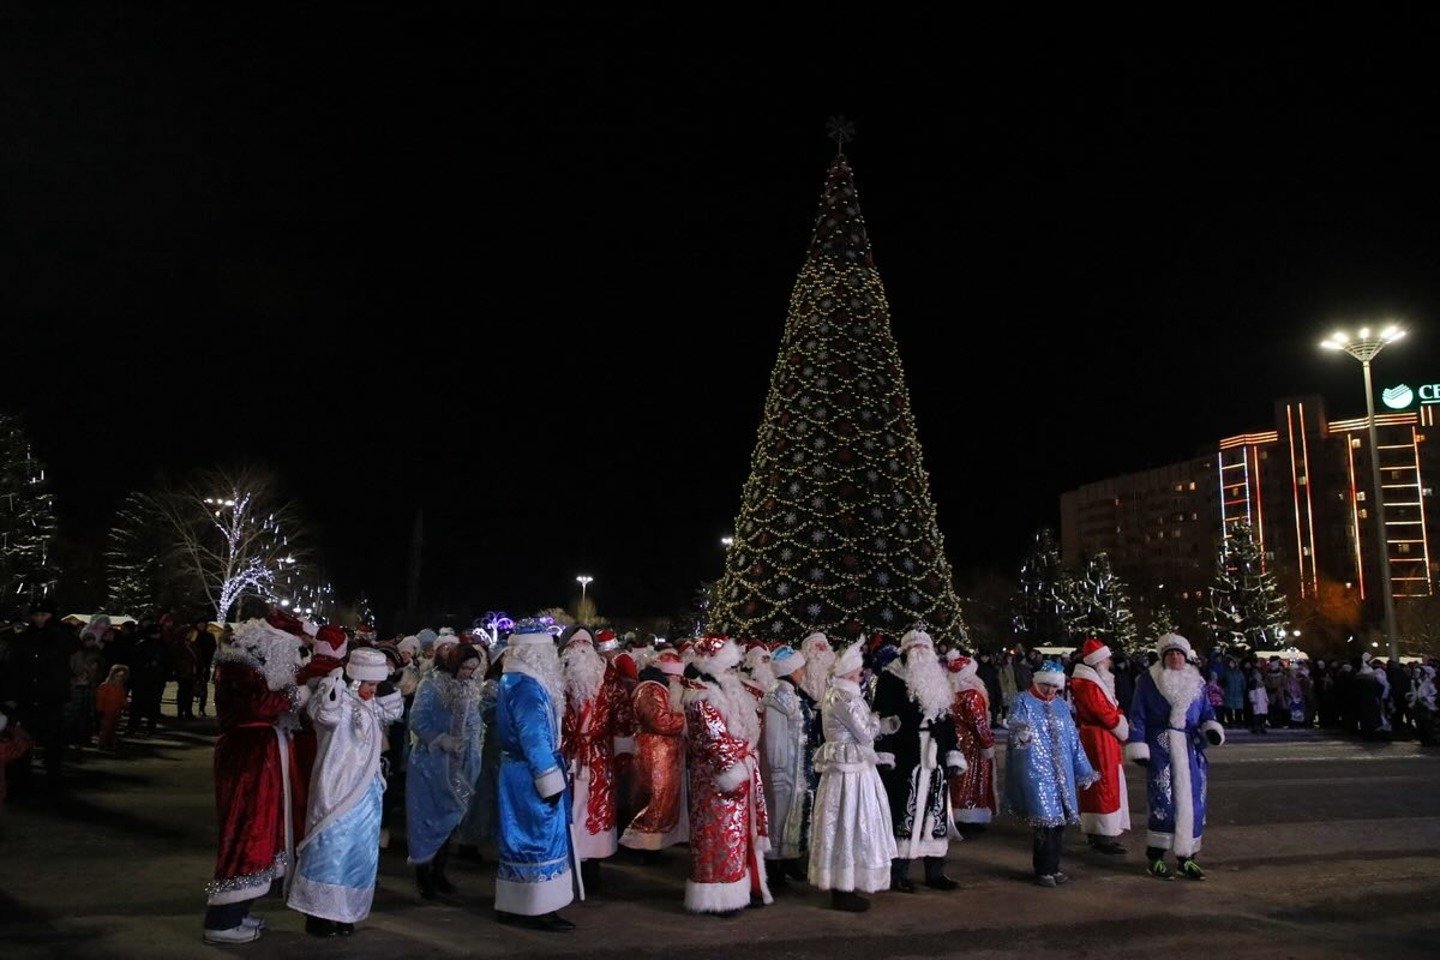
pixel 584 670
pixel 817 673
pixel 1180 688
pixel 926 681
pixel 739 708
pixel 544 663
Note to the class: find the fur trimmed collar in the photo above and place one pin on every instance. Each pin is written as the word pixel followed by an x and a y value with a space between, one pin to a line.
pixel 1106 683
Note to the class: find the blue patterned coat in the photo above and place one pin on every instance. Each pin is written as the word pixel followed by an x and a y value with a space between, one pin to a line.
pixel 1045 766
pixel 1172 739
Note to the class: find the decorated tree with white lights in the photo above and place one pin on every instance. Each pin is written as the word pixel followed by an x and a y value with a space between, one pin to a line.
pixel 1100 607
pixel 1246 609
pixel 1161 623
pixel 836 530
pixel 232 534
pixel 1043 607
pixel 27 519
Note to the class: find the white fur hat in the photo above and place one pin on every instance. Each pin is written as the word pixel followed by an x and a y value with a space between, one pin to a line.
pixel 815 642
pixel 849 660
pixel 1173 641
pixel 367 663
pixel 1050 672
pixel 915 637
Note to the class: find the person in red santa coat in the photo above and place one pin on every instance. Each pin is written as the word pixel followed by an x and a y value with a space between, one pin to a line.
pixel 621 676
pixel 973 797
pixel 256 699
pixel 662 819
pixel 729 828
pixel 1104 805
pixel 587 740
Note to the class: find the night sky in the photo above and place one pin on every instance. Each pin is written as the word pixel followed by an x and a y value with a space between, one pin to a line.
pixel 530 274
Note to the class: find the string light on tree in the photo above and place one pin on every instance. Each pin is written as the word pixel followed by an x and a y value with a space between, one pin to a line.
pixel 837 530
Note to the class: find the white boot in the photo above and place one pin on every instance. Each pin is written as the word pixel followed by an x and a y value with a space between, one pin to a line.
pixel 241 934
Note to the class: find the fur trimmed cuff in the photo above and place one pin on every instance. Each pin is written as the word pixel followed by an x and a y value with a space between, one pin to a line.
pixel 956 759
pixel 550 782
pixel 1211 726
pixel 1121 730
pixel 1138 750
pixel 730 778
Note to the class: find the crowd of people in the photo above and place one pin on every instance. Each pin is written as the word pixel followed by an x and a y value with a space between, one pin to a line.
pixel 774 764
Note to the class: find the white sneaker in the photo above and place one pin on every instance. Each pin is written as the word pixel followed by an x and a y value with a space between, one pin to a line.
pixel 240 934
pixel 253 922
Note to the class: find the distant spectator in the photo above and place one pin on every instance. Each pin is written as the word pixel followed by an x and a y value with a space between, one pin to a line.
pixel 205 647
pixel 989 675
pixel 35 688
pixel 149 669
pixel 1259 706
pixel 110 700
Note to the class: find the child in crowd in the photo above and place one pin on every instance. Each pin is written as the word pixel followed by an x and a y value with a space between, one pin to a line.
pixel 110 699
pixel 1259 705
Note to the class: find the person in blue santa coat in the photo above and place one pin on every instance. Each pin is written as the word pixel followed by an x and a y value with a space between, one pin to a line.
pixel 1045 768
pixel 535 875
pixel 1171 722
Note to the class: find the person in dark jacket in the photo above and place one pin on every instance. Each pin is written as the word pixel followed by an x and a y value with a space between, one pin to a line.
pixel 149 669
pixel 989 675
pixel 35 687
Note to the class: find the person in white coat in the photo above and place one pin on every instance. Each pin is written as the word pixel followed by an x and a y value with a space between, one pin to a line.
pixel 852 845
pixel 788 758
pixel 334 883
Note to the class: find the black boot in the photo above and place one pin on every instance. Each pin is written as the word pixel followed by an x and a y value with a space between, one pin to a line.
pixel 319 927
pixel 791 868
pixel 900 876
pixel 935 877
pixel 775 876
pixel 590 874
pixel 425 880
pixel 437 872
pixel 848 901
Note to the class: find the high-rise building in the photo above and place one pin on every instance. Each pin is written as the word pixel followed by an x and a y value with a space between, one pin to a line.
pixel 1303 486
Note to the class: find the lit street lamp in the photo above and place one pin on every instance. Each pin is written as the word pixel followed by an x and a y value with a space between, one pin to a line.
pixel 727 542
pixel 584 582
pixel 1363 346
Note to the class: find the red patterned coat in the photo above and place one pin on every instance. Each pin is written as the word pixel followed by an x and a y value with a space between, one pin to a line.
pixel 729 827
pixel 254 766
pixel 659 765
pixel 1105 805
pixel 587 740
pixel 973 794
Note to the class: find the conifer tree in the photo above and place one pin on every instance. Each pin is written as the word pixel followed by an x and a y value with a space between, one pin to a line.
pixel 1044 604
pixel 836 530
pixel 27 519
pixel 1246 609
pixel 1101 607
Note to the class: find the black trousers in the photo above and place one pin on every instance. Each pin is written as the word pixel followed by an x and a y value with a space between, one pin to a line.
pixel 1046 858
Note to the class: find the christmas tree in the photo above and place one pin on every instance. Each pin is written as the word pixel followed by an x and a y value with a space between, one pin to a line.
pixel 836 530
pixel 1043 604
pixel 1100 607
pixel 27 519
pixel 1246 609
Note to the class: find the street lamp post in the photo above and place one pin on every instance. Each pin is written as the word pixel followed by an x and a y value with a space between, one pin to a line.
pixel 584 582
pixel 1363 346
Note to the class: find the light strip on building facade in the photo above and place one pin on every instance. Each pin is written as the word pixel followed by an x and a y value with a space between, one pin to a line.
pixel 1354 513
pixel 1309 506
pixel 1300 545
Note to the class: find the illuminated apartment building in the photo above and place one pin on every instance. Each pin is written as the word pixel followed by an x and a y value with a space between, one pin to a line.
pixel 1305 488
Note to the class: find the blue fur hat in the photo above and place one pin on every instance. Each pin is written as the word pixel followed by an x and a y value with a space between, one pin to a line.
pixel 1050 671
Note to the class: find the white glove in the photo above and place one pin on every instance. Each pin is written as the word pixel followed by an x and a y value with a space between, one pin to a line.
pixel 884 759
pixel 988 753
pixel 889 725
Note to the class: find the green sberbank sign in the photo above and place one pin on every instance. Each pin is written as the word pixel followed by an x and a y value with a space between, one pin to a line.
pixel 1403 396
